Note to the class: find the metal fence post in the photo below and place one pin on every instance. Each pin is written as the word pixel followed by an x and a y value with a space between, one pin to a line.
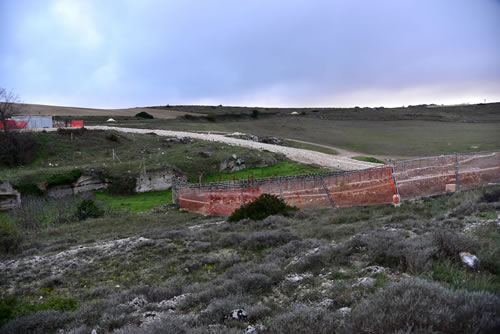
pixel 327 192
pixel 281 190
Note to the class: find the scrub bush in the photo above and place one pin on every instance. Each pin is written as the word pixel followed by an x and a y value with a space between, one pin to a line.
pixel 144 115
pixel 88 209
pixel 17 149
pixel 419 306
pixel 10 239
pixel 265 205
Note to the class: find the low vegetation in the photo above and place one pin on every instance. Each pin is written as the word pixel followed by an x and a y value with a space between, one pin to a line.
pixel 369 159
pixel 374 269
pixel 262 207
pixel 139 202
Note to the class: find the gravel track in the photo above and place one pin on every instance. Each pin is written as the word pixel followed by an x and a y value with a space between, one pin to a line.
pixel 296 154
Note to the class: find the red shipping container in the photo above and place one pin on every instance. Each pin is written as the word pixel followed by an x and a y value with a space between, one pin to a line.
pixel 76 124
pixel 15 125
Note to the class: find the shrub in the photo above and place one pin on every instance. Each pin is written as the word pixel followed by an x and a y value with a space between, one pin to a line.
pixel 212 117
pixel 38 212
pixel 28 187
pixel 17 149
pixel 423 307
pixel 7 309
pixel 450 244
pixel 303 319
pixel 491 196
pixel 53 303
pixel 265 205
pixel 64 178
pixel 10 239
pixel 255 113
pixel 112 137
pixel 122 184
pixel 38 322
pixel 88 209
pixel 144 114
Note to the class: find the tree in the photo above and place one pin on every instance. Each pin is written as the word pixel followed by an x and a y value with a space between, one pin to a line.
pixel 9 107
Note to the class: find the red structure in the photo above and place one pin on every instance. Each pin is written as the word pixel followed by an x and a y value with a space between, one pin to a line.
pixel 387 184
pixel 76 124
pixel 14 125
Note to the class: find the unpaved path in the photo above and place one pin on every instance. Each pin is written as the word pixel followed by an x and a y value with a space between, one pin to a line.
pixel 349 154
pixel 300 155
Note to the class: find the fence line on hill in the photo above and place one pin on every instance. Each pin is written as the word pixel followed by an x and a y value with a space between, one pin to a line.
pixel 402 180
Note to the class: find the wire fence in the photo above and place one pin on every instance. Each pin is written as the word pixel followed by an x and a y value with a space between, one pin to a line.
pixel 403 180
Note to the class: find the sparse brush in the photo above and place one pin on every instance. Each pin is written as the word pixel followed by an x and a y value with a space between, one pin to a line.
pixel 265 205
pixel 425 307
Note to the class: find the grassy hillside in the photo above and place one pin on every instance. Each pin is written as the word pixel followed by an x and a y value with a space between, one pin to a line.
pixel 413 131
pixel 318 271
pixel 62 155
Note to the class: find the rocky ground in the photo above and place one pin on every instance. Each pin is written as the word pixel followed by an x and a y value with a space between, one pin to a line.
pixel 375 269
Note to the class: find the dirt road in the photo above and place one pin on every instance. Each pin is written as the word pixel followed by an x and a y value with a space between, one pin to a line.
pixel 300 155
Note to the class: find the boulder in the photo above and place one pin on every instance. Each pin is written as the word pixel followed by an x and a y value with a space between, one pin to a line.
pixel 344 311
pixel 239 314
pixel 367 282
pixel 469 260
pixel 374 270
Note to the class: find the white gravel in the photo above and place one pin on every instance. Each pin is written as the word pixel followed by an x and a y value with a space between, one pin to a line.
pixel 300 155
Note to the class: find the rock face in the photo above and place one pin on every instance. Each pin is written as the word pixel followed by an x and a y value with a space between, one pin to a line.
pixel 232 165
pixel 9 197
pixel 84 184
pixel 160 179
pixel 470 260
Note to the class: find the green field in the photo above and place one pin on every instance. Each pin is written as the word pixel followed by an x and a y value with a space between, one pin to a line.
pixel 405 137
pixel 139 202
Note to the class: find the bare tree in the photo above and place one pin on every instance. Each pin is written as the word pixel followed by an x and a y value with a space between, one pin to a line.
pixel 9 107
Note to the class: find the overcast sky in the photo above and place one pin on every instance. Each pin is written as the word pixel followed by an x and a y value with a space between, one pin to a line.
pixel 125 53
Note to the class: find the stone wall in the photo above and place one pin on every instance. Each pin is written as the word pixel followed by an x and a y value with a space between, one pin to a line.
pixel 403 180
pixel 155 180
pixel 9 197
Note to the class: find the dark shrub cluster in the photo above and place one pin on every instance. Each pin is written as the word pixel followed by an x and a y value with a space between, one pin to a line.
pixel 491 196
pixel 121 184
pixel 64 178
pixel 265 205
pixel 71 131
pixel 17 149
pixel 10 238
pixel 419 306
pixel 144 115
pixel 38 322
pixel 88 209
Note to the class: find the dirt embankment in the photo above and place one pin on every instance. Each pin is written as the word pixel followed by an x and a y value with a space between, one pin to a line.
pixel 300 155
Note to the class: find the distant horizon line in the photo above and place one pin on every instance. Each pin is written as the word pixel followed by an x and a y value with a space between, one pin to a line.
pixel 264 107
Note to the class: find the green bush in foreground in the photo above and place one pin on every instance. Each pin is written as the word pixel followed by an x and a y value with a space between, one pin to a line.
pixel 88 209
pixel 265 205
pixel 10 239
